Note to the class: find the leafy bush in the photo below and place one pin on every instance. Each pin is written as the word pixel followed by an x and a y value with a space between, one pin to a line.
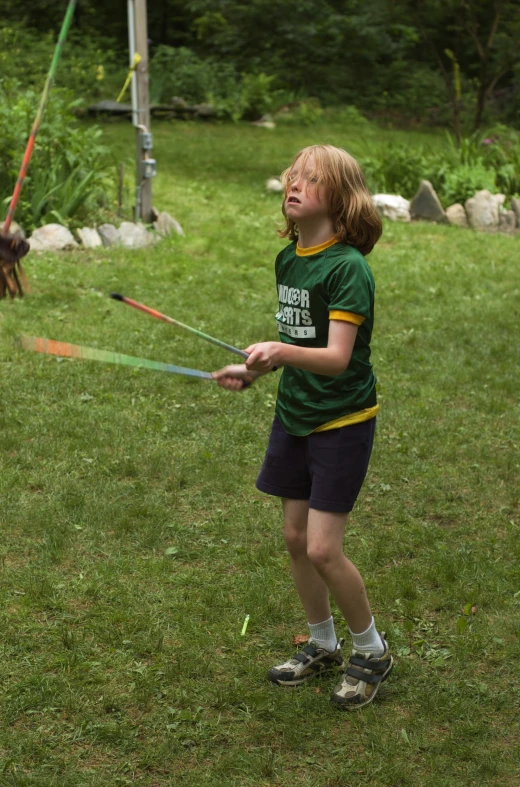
pixel 250 98
pixel 491 163
pixel 180 72
pixel 304 113
pixel 501 151
pixel 457 184
pixel 481 161
pixel 68 177
pixel 89 68
pixel 256 94
pixel 394 169
pixel 349 116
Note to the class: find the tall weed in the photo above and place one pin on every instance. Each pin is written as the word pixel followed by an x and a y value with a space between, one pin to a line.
pixel 502 152
pixel 69 176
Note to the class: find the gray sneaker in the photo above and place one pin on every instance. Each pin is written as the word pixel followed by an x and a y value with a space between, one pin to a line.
pixel 306 664
pixel 362 679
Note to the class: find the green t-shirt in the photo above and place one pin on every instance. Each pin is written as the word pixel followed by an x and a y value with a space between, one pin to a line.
pixel 312 284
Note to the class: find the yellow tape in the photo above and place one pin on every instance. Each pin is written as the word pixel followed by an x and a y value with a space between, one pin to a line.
pixel 137 60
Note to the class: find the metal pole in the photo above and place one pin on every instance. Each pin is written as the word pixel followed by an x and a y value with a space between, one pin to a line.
pixel 135 108
pixel 144 184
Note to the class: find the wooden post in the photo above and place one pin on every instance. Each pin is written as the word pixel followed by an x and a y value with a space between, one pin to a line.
pixel 144 190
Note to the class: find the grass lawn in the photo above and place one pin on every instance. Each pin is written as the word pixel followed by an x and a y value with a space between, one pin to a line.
pixel 134 542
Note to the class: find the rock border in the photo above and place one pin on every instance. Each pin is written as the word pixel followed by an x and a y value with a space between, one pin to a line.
pixel 129 235
pixel 484 211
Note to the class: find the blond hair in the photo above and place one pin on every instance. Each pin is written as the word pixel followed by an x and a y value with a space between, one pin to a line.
pixel 353 213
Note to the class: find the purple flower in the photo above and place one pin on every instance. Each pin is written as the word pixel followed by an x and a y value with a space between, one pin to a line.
pixel 488 141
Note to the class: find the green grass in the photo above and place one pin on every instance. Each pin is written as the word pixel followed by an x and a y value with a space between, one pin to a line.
pixel 134 542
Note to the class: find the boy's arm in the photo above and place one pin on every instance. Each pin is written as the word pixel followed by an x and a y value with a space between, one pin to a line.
pixel 330 361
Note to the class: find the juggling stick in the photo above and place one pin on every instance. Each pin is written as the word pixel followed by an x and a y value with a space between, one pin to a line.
pixel 12 276
pixel 153 313
pixel 66 350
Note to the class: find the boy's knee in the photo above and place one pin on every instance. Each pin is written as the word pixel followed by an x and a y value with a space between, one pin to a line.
pixel 321 556
pixel 295 539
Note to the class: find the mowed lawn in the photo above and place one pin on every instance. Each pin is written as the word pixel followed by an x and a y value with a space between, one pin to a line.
pixel 134 542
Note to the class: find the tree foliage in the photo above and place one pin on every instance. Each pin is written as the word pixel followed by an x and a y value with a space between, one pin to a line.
pixel 401 55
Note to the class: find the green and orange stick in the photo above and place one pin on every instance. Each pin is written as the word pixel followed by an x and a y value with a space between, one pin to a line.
pixel 39 115
pixel 66 350
pixel 159 316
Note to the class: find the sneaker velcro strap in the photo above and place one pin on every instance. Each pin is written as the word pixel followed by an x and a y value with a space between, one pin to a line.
pixel 367 677
pixel 368 663
pixel 309 652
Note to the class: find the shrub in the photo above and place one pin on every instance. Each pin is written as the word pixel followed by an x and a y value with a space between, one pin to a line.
pixel 89 68
pixel 303 113
pixel 68 177
pixel 396 169
pixel 180 72
pixel 491 162
pixel 250 98
pixel 349 116
pixel 457 184
pixel 501 151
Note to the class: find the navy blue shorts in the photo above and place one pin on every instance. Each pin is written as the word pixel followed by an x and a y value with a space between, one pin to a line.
pixel 325 468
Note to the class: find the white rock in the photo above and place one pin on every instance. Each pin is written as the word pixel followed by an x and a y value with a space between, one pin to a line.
pixel 457 215
pixel 52 237
pixel 89 238
pixel 482 210
pixel 515 205
pixel 264 124
pixel 134 236
pixel 166 224
pixel 109 235
pixel 274 184
pixel 507 220
pixel 393 207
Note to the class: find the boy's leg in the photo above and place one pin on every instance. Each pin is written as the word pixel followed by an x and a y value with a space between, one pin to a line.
pixel 323 652
pixel 371 661
pixel 325 530
pixel 312 590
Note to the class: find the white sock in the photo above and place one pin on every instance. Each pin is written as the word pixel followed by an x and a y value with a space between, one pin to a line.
pixel 368 641
pixel 324 634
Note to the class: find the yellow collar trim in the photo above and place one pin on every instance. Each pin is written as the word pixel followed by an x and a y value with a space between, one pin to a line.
pixel 315 249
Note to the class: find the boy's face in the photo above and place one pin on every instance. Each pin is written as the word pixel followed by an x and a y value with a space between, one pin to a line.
pixel 304 198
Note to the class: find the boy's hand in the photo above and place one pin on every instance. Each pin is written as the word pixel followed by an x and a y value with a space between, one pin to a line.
pixel 264 357
pixel 234 377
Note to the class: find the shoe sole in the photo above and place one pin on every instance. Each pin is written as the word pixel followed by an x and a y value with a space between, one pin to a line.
pixel 345 705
